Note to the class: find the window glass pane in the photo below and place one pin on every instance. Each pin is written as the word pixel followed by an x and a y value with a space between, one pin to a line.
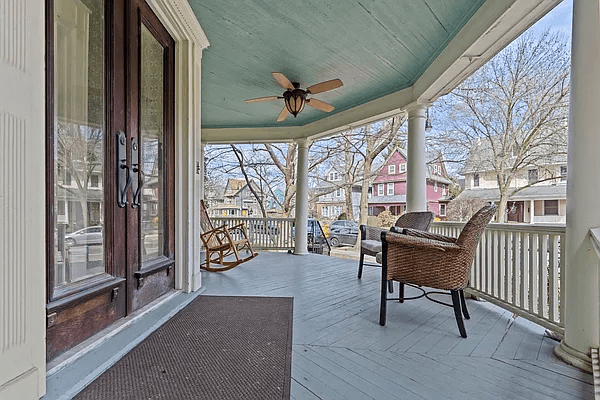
pixel 79 132
pixel 152 146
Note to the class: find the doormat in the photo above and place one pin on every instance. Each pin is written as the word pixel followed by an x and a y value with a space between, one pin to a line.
pixel 215 348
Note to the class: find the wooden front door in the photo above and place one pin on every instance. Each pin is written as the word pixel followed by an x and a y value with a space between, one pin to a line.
pixel 110 195
pixel 515 211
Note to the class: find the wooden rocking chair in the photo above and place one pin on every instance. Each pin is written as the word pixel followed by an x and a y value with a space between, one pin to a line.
pixel 219 243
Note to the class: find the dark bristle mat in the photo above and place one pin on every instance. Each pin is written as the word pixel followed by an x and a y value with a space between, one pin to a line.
pixel 215 348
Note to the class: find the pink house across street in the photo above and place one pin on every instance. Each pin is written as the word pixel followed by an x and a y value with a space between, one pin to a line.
pixel 389 186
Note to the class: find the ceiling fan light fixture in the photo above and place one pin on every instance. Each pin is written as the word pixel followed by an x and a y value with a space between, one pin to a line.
pixel 295 100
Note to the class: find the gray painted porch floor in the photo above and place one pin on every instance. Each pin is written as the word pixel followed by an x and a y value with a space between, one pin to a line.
pixel 341 351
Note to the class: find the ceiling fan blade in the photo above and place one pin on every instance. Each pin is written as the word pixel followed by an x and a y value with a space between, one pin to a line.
pixel 263 99
pixel 325 86
pixel 283 115
pixel 320 105
pixel 282 80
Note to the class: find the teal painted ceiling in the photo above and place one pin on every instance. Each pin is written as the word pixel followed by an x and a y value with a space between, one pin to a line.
pixel 376 47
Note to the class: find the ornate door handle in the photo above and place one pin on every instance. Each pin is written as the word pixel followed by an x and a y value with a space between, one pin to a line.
pixel 123 171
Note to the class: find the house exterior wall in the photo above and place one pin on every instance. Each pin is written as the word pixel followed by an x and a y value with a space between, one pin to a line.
pixel 384 177
pixel 396 159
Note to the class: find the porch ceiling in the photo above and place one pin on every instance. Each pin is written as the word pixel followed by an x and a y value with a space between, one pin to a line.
pixel 388 53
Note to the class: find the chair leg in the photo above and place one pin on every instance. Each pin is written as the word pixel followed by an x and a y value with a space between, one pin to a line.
pixel 463 304
pixel 360 264
pixel 457 313
pixel 383 306
pixel 391 286
pixel 401 292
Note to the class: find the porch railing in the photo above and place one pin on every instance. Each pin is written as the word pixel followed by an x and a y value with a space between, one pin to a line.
pixel 263 233
pixel 520 268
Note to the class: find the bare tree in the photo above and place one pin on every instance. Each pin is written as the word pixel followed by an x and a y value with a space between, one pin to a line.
pixel 79 154
pixel 375 142
pixel 511 114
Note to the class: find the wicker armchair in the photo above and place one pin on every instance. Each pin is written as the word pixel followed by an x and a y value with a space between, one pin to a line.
pixel 440 262
pixel 370 236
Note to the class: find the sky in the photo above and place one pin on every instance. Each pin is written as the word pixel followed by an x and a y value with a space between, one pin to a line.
pixel 559 19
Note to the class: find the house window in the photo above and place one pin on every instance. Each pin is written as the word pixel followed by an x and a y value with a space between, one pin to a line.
pixel 67 180
pixel 370 191
pixel 61 207
pixel 442 210
pixel 444 190
pixel 324 211
pixel 94 180
pixel 550 207
pixel 390 187
pixel 475 180
pixel 380 189
pixel 338 192
pixel 391 169
pixel 563 173
pixel 402 167
pixel 334 176
pixel 532 175
pixel 435 186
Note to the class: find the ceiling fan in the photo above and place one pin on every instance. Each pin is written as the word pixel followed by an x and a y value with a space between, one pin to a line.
pixel 295 98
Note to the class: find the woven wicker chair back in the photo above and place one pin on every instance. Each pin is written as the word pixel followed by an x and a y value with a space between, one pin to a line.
pixel 472 231
pixel 416 220
pixel 207 226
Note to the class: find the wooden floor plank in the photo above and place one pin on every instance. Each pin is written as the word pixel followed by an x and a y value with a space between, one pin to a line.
pixel 347 372
pixel 299 392
pixel 354 359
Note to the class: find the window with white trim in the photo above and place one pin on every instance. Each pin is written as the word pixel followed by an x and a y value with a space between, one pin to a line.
pixel 390 189
pixel 339 192
pixel 563 173
pixel 442 210
pixel 444 189
pixel 380 189
pixel 391 169
pixel 402 167
pixel 550 207
pixel 532 175
pixel 475 180
pixel 435 186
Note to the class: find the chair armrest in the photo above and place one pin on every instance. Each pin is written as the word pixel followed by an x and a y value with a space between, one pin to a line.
pixel 398 239
pixel 371 233
pixel 429 235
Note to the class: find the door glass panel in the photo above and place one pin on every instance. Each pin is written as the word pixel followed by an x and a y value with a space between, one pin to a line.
pixel 79 131
pixel 152 146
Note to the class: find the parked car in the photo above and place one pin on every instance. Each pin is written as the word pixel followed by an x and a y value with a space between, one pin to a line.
pixel 271 227
pixel 343 232
pixel 89 235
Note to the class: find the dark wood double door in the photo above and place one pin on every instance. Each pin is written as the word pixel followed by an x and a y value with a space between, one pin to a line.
pixel 110 169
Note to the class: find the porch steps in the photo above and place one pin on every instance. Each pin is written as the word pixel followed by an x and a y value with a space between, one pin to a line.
pixel 69 376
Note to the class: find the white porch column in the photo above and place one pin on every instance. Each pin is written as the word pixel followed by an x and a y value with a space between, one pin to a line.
pixel 301 198
pixel 532 211
pixel 416 168
pixel 581 269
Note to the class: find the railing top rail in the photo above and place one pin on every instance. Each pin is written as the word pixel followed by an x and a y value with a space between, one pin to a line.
pixel 537 228
pixel 252 218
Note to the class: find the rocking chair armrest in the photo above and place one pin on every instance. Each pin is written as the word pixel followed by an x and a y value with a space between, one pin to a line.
pixel 429 235
pixel 398 239
pixel 215 231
